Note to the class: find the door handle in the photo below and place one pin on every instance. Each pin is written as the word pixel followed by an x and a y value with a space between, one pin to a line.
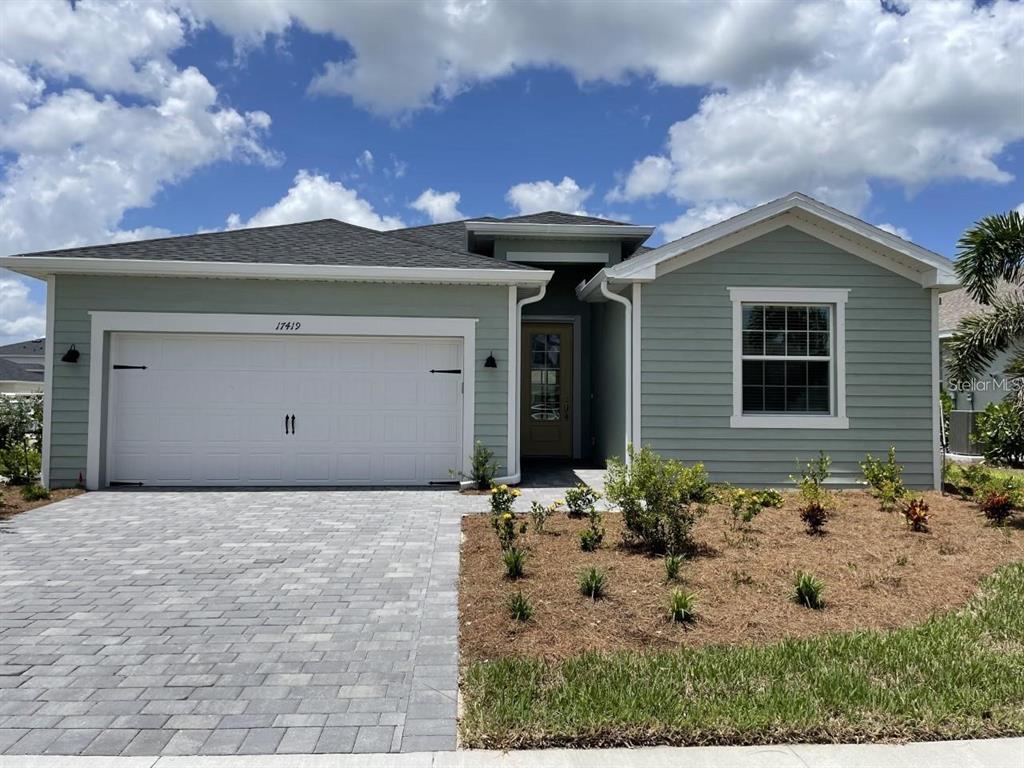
pixel 286 424
pixel 293 423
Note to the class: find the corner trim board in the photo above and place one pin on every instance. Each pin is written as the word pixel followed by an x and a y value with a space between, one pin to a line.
pixel 51 310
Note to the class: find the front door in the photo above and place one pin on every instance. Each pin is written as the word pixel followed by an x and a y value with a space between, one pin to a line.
pixel 546 427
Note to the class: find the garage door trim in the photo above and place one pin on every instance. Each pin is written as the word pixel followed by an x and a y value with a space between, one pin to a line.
pixel 103 323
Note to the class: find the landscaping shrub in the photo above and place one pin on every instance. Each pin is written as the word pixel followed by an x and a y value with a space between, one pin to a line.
pixel 34 493
pixel 483 467
pixel 999 500
pixel 502 498
pixel 818 503
pixel 539 514
pixel 915 512
pixel 682 606
pixel 515 560
pixel 770 498
pixel 999 432
pixel 507 529
pixel 593 582
pixel 660 500
pixel 579 501
pixel 519 607
pixel 746 505
pixel 885 479
pixel 21 421
pixel 591 538
pixel 807 590
pixel 673 564
pixel 20 464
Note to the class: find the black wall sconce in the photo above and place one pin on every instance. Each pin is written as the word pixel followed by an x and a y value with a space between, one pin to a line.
pixel 490 362
pixel 71 356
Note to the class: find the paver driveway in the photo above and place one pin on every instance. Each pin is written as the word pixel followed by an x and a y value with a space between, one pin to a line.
pixel 230 622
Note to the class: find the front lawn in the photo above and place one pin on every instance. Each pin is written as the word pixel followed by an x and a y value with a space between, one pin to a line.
pixel 957 675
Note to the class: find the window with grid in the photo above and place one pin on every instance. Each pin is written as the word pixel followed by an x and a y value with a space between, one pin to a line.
pixel 787 358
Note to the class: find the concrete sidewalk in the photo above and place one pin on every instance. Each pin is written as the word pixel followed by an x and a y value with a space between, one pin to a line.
pixel 992 753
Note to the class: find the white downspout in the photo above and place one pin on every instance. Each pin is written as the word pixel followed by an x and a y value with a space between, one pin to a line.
pixel 629 360
pixel 514 469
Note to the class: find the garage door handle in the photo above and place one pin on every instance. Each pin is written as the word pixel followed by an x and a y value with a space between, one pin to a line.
pixel 293 423
pixel 286 424
pixel 446 370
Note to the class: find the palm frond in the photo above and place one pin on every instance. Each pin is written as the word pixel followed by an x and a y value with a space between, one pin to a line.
pixel 980 338
pixel 990 251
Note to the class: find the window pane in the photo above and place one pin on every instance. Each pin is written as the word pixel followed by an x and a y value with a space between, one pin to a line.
pixel 796 399
pixel 753 399
pixel 796 318
pixel 817 374
pixel 818 344
pixel 775 318
pixel 774 373
pixel 796 374
pixel 818 400
pixel 775 343
pixel 817 318
pixel 753 317
pixel 796 343
pixel 753 373
pixel 775 399
pixel 753 343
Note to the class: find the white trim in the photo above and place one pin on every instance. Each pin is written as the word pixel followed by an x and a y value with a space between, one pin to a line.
pixel 576 231
pixel 936 403
pixel 628 405
pixel 38 266
pixel 927 267
pixel 511 461
pixel 557 257
pixel 636 369
pixel 577 374
pixel 518 358
pixel 312 325
pixel 51 310
pixel 835 297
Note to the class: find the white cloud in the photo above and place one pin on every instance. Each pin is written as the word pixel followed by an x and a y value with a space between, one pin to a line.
pixel 535 196
pixel 365 160
pixel 1020 209
pixel 439 206
pixel 20 317
pixel 698 217
pixel 650 176
pixel 313 196
pixel 895 230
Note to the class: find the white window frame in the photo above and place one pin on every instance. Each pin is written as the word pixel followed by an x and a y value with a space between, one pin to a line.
pixel 836 297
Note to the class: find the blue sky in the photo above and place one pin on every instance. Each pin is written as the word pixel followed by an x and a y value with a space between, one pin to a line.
pixel 127 121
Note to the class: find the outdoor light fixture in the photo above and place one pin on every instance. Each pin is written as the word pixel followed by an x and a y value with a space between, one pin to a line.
pixel 71 356
pixel 490 362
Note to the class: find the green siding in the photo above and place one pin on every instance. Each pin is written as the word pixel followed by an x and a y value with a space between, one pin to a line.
pixel 686 390
pixel 75 296
pixel 611 249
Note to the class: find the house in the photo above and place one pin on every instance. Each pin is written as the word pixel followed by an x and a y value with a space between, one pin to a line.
pixel 29 354
pixel 991 386
pixel 324 353
pixel 18 379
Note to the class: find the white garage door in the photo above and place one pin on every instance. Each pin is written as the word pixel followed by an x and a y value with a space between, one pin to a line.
pixel 203 409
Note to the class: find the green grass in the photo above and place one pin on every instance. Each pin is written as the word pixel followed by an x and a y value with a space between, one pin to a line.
pixel 958 675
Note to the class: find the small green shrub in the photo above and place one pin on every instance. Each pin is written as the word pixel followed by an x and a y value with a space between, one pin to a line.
pixel 593 582
pixel 539 514
pixel 515 562
pixel 483 468
pixel 579 501
pixel 682 606
pixel 673 565
pixel 519 607
pixel 746 505
pixel 999 432
pixel 502 498
pixel 590 540
pixel 770 498
pixel 808 590
pixel 818 503
pixel 34 493
pixel 915 512
pixel 660 500
pixel 885 479
pixel 973 477
pixel 20 463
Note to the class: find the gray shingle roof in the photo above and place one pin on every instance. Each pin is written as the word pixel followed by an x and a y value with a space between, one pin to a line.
pixel 557 217
pixel 30 347
pixel 323 242
pixel 954 306
pixel 13 372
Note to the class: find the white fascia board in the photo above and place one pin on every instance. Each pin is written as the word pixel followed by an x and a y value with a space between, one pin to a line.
pixel 42 266
pixel 931 268
pixel 581 231
pixel 590 289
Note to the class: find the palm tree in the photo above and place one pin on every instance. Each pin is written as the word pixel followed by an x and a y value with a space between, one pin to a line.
pixel 991 252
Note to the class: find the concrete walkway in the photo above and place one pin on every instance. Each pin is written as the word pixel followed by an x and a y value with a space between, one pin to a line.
pixel 993 753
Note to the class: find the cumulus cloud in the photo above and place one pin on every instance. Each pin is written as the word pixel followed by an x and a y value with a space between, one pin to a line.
pixel 698 217
pixel 365 160
pixel 20 316
pixel 535 196
pixel 650 176
pixel 895 230
pixel 439 206
pixel 314 196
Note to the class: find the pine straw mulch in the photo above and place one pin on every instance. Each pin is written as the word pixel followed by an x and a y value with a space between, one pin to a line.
pixel 11 502
pixel 878 575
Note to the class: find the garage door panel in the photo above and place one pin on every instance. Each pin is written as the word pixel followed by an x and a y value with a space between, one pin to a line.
pixel 209 410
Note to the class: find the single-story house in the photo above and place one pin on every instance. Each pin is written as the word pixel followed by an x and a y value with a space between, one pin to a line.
pixel 30 354
pixel 16 379
pixel 325 353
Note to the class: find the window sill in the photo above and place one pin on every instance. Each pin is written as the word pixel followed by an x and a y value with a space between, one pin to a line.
pixel 789 422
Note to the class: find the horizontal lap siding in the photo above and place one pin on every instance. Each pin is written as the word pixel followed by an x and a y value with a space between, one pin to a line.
pixel 75 296
pixel 686 390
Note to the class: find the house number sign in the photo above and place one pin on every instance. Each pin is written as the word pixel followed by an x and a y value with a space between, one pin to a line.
pixel 288 325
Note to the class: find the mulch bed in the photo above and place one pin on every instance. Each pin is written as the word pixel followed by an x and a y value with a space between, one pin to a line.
pixel 878 575
pixel 12 504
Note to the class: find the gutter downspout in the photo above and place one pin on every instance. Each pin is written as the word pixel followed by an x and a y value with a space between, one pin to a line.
pixel 629 360
pixel 514 468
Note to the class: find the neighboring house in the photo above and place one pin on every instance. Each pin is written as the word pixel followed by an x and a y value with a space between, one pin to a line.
pixel 991 386
pixel 18 379
pixel 28 354
pixel 324 353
